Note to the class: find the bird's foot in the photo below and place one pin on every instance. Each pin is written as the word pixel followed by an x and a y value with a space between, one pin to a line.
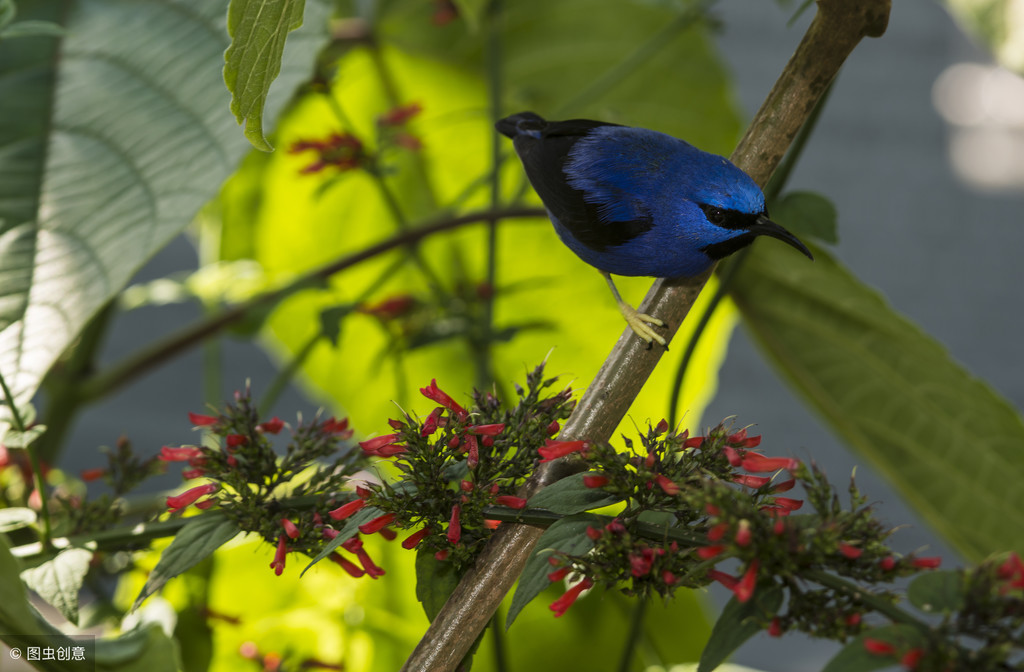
pixel 641 323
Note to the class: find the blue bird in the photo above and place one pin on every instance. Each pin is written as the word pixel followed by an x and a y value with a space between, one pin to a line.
pixel 630 201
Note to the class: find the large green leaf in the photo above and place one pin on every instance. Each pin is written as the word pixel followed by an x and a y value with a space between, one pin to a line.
pixel 950 445
pixel 58 580
pixel 113 137
pixel 296 221
pixel 998 24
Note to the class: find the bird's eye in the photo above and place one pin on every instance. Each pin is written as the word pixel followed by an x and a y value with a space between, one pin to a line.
pixel 715 215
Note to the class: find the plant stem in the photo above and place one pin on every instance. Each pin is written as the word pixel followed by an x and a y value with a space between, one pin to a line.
pixel 498 636
pixel 880 605
pixel 636 624
pixel 46 532
pixel 136 364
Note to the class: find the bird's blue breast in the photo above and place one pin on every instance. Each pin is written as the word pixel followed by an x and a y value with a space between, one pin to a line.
pixel 630 173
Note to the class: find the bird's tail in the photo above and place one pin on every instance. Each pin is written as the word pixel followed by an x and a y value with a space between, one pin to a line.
pixel 523 122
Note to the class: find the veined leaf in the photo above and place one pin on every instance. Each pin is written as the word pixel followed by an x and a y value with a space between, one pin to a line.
pixel 568 496
pixel 944 439
pixel 192 544
pixel 739 622
pixel 258 30
pixel 58 580
pixel 113 137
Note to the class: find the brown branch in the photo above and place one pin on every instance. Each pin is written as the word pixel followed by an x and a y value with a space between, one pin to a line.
pixel 837 28
pixel 137 363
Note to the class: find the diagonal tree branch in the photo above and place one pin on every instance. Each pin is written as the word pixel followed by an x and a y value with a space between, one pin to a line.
pixel 836 30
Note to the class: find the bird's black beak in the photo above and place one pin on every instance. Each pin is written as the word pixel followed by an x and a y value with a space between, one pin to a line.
pixel 766 227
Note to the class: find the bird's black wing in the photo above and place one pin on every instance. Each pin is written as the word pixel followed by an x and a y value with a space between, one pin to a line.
pixel 544 159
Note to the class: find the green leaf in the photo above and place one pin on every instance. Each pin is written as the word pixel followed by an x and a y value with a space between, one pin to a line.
pixel 113 138
pixel 997 24
pixel 258 30
pixel 807 215
pixel 31 29
pixel 58 580
pixel 363 515
pixel 739 622
pixel 12 438
pixel 855 658
pixel 8 10
pixel 435 581
pixel 568 496
pixel 568 535
pixel 944 439
pixel 143 649
pixel 16 517
pixel 193 543
pixel 937 591
pixel 472 12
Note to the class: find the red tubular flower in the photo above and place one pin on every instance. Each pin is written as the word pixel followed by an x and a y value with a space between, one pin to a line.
pixel 640 563
pixel 346 564
pixel 734 456
pixel 377 523
pixel 788 504
pixel 189 474
pixel 90 475
pixel 911 658
pixel 1012 570
pixel 743 534
pixel 760 464
pixel 441 556
pixel 337 427
pixel 926 563
pixel 488 430
pixel 708 552
pixel 202 420
pixel 168 454
pixel 472 452
pixel 454 526
pixel 553 428
pixel 235 440
pixel 851 552
pixel 466 486
pixel 376 445
pixel 205 504
pixel 754 482
pixel 369 565
pixel 853 620
pixel 430 425
pixel 399 115
pixel 727 580
pixel 414 539
pixel 595 481
pixel 511 501
pixel 390 308
pixel 593 533
pixel 669 486
pixel 887 563
pixel 784 486
pixel 877 647
pixel 434 393
pixel 558 574
pixel 562 604
pixel 290 529
pixel 775 629
pixel 744 590
pixel 178 502
pixel 718 531
pixel 553 450
pixel 668 577
pixel 272 426
pixel 282 550
pixel 346 510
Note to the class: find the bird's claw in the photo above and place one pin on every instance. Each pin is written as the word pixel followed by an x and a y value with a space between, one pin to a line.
pixel 641 323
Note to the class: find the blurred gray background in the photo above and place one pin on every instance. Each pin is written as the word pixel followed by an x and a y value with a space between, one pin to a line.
pixel 939 238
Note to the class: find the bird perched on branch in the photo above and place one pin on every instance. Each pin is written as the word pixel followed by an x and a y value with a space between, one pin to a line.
pixel 630 201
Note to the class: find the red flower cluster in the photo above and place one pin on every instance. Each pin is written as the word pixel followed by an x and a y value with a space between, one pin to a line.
pixel 343 151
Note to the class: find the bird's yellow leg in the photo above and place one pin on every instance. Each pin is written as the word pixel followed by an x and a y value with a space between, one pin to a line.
pixel 639 322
